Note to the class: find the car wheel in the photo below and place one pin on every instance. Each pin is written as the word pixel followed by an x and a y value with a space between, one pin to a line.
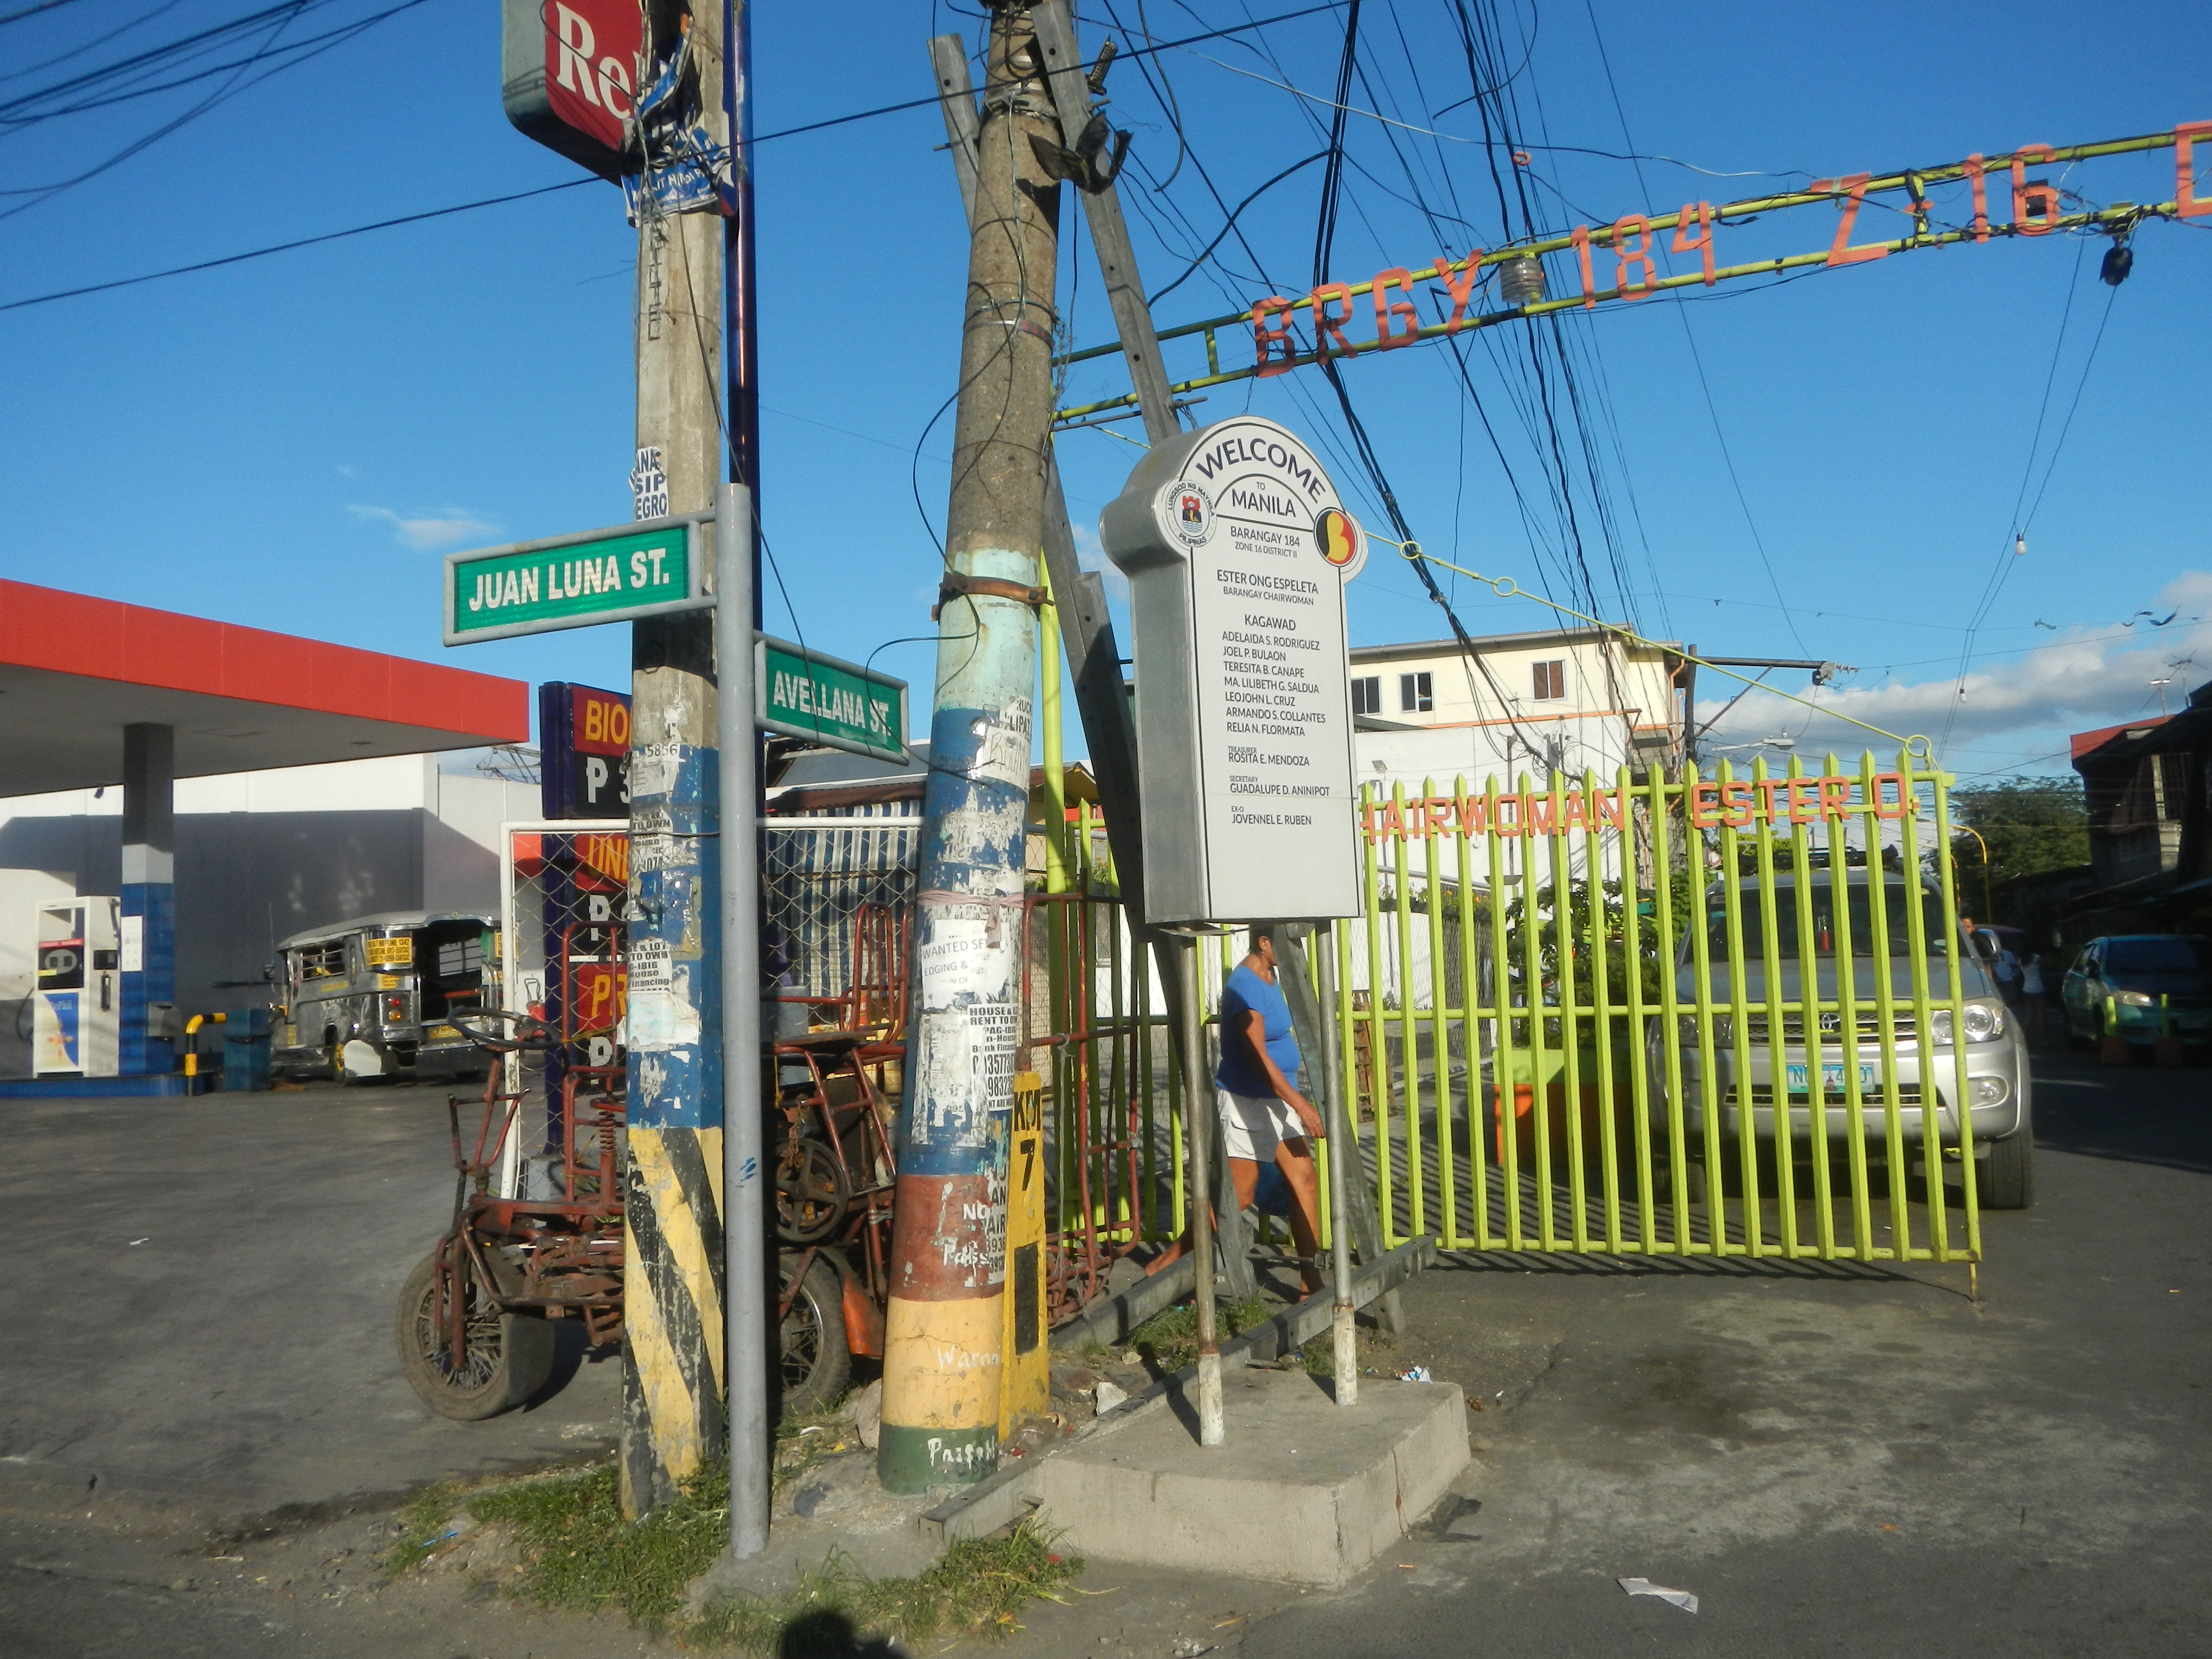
pixel 2006 1179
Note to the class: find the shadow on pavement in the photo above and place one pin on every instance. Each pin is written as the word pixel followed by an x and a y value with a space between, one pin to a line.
pixel 2141 1114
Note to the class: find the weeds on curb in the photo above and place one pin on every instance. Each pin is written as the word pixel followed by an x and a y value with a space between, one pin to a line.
pixel 1169 1340
pixel 975 1590
pixel 578 1552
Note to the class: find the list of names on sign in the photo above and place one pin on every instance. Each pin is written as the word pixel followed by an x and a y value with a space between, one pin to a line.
pixel 1250 529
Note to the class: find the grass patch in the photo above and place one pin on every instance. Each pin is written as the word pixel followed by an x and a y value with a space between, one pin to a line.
pixel 975 1590
pixel 578 1553
pixel 1168 1341
pixel 422 1527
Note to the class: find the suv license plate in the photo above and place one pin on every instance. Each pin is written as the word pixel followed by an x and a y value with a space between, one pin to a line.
pixel 1832 1076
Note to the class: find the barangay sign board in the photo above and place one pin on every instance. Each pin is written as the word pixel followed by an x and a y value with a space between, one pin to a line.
pixel 1237 549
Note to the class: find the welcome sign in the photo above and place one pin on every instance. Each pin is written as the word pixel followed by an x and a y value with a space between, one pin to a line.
pixel 1238 549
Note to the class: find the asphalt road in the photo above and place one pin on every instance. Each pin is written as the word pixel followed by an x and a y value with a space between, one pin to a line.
pixel 201 1314
pixel 1836 1462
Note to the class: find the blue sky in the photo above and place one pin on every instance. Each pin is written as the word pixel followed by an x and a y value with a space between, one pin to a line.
pixel 292 442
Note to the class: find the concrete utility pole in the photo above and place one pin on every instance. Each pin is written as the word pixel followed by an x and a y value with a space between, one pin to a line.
pixel 940 1409
pixel 673 1354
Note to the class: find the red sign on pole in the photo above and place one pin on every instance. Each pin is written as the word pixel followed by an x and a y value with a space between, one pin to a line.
pixel 570 70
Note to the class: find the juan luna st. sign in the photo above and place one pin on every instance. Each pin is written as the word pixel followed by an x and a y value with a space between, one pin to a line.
pixel 648 568
pixel 1237 551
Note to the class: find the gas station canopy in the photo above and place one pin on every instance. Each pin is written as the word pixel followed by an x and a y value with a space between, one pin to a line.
pixel 75 671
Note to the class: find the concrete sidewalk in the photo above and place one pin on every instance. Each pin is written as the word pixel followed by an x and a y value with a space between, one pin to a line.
pixel 1838 1461
pixel 202 1315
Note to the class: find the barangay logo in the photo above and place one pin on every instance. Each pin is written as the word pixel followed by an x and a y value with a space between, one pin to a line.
pixel 1189 513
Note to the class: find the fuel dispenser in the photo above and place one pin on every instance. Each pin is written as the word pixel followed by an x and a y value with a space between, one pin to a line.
pixel 77 1009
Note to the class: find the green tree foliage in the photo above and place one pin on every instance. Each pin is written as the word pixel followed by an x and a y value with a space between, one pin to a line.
pixel 2030 825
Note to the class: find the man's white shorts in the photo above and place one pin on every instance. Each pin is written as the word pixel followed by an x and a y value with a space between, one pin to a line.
pixel 1252 1126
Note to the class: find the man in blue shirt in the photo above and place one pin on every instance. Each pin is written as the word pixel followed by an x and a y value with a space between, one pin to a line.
pixel 1263 1115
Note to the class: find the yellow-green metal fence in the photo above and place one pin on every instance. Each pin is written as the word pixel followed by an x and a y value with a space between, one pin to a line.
pixel 1705 1017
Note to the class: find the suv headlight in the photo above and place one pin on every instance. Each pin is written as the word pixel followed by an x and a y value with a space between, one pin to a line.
pixel 2135 999
pixel 1984 1022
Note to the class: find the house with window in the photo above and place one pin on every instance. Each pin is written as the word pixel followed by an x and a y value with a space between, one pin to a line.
pixel 1566 700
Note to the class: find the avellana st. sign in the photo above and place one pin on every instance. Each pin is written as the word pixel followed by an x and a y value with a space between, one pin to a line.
pixel 803 694
pixel 650 568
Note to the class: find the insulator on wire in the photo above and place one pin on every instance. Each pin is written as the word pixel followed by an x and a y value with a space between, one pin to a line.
pixel 1521 280
pixel 2119 260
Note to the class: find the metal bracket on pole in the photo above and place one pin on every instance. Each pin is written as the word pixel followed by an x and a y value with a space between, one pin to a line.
pixel 744 1233
pixel 955 94
pixel 1110 232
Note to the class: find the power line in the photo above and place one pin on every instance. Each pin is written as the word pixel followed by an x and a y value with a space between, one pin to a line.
pixel 286 247
pixel 1139 52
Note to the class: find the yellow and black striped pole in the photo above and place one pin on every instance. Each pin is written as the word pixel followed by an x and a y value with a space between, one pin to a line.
pixel 672 1417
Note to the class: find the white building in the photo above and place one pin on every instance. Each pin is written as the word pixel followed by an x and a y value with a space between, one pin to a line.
pixel 1566 700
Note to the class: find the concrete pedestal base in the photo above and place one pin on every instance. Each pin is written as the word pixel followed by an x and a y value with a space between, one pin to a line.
pixel 1303 1492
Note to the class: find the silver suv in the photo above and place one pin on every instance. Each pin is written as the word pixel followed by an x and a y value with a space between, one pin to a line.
pixel 1997 1050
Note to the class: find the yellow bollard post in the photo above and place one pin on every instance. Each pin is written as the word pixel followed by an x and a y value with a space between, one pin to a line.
pixel 1024 1372
pixel 2113 1050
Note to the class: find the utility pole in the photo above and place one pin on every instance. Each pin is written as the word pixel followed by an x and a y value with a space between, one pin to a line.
pixel 940 1408
pixel 673 1354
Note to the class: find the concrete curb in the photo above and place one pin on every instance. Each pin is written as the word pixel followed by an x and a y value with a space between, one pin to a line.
pixel 1004 1498
pixel 1110 1318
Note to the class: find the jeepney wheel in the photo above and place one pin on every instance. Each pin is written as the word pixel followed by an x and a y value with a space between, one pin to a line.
pixel 508 1355
pixel 817 1363
pixel 811 1193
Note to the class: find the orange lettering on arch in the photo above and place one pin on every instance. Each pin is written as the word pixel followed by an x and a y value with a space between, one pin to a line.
pixel 1266 342
pixel 1329 325
pixel 2034 207
pixel 1462 287
pixel 2187 204
pixel 1388 336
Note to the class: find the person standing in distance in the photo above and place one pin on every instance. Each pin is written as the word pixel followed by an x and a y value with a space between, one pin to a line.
pixel 1263 1115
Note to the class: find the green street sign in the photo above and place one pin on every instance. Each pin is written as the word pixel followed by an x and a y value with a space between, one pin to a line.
pixel 643 569
pixel 805 693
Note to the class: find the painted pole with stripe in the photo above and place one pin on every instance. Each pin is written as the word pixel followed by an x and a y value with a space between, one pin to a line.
pixel 672 1419
pixel 947 1321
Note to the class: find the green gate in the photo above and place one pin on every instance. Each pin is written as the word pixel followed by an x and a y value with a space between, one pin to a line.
pixel 1713 1016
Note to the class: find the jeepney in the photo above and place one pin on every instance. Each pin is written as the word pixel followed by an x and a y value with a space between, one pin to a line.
pixel 373 996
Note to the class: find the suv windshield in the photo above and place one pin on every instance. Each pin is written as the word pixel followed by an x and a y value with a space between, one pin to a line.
pixel 1825 928
pixel 2159 956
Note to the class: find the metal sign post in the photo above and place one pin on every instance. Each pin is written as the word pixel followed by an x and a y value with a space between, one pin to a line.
pixel 746 1232
pixel 1237 549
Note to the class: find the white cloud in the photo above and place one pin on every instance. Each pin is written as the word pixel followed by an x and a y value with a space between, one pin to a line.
pixel 441 527
pixel 2089 677
pixel 1092 556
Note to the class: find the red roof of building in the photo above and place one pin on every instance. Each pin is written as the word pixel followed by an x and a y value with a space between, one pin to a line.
pixel 2083 742
pixel 76 670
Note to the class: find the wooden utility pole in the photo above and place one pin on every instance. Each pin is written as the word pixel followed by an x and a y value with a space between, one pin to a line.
pixel 941 1408
pixel 673 1352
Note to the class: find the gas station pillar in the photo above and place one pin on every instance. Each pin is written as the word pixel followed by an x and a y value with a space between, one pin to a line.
pixel 148 941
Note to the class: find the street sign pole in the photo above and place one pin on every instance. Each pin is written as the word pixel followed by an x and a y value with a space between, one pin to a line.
pixel 745 1237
